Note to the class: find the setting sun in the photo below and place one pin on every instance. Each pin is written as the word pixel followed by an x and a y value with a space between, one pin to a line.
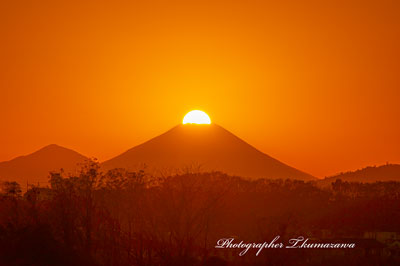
pixel 196 117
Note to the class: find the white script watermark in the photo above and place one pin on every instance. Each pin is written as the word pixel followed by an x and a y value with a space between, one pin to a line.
pixel 299 242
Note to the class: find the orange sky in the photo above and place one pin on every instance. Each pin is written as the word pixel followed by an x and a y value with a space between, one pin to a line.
pixel 314 84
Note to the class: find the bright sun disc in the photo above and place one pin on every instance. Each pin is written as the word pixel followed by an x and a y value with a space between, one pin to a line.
pixel 196 117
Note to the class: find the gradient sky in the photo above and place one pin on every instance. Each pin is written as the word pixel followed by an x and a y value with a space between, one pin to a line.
pixel 314 84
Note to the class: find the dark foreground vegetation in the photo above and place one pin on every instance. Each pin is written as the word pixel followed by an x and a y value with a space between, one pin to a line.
pixel 123 218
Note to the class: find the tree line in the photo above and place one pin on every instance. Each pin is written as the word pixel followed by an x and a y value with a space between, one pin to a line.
pixel 132 218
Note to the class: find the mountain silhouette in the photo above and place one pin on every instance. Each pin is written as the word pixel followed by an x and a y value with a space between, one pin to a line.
pixel 388 172
pixel 35 167
pixel 210 147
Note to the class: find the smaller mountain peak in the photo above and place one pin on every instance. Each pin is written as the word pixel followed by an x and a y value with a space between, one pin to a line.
pixel 54 151
pixel 51 148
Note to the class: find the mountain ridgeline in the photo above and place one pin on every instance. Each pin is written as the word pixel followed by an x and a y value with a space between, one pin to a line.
pixel 196 147
pixel 188 147
pixel 370 174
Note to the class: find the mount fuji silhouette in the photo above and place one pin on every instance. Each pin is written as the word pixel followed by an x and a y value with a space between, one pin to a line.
pixel 210 147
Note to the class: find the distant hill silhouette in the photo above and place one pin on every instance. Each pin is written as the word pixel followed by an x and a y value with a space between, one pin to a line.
pixel 35 167
pixel 209 146
pixel 388 172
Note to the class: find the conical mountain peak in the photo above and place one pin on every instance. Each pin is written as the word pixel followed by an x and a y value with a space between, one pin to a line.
pixel 210 146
